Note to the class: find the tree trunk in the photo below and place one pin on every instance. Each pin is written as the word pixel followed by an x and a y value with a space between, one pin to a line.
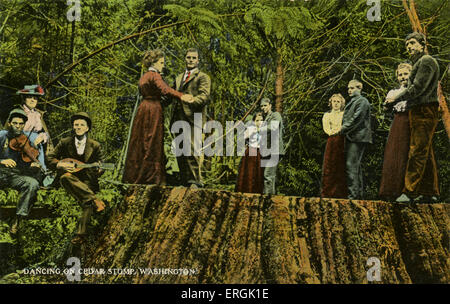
pixel 279 83
pixel 72 42
pixel 226 237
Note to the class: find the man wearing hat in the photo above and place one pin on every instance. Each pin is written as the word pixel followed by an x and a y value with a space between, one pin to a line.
pixel 30 97
pixel 83 184
pixel 14 171
pixel 421 180
pixel 272 146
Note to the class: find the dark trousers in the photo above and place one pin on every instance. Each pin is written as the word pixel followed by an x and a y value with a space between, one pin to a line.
pixel 83 193
pixel 26 185
pixel 421 171
pixel 354 152
pixel 191 166
pixel 190 170
pixel 270 173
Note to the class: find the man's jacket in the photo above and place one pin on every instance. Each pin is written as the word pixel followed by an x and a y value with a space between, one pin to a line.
pixel 356 120
pixel 92 153
pixel 422 83
pixel 273 123
pixel 198 85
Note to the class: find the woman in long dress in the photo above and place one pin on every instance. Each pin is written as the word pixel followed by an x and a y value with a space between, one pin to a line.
pixel 334 183
pixel 145 163
pixel 251 174
pixel 397 145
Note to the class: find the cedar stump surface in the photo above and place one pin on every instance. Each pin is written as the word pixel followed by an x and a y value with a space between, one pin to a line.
pixel 227 237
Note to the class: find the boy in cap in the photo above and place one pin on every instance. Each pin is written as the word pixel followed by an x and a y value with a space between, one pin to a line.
pixel 421 180
pixel 14 171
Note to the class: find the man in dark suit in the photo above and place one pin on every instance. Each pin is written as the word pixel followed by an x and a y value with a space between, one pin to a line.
pixel 198 84
pixel 272 146
pixel 356 128
pixel 83 184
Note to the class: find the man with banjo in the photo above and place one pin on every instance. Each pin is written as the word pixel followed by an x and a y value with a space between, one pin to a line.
pixel 77 159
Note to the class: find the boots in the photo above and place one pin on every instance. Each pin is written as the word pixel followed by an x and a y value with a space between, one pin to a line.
pixel 15 226
pixel 100 205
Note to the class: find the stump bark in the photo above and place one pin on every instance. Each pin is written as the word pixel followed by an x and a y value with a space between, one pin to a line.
pixel 226 237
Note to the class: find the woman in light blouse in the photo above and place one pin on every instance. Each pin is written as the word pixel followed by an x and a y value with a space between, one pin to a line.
pixel 333 170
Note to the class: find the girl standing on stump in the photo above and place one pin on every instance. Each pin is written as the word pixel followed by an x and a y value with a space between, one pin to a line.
pixel 251 174
pixel 333 171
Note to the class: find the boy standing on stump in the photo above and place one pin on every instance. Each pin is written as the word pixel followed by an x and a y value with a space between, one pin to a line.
pixel 421 180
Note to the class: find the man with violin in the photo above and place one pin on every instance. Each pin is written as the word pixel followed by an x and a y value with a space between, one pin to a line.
pixel 19 167
pixel 68 157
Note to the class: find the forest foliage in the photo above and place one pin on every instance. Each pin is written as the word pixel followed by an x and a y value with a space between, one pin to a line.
pixel 317 46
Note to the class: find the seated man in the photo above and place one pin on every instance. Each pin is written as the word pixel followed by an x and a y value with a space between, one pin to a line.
pixel 81 184
pixel 14 171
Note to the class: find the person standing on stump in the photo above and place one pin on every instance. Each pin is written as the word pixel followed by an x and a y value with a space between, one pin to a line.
pixel 82 184
pixel 250 177
pixel 397 145
pixel 421 179
pixel 198 84
pixel 333 169
pixel 145 163
pixel 271 135
pixel 356 128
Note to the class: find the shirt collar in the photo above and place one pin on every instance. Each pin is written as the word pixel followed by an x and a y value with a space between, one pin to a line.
pixel 27 109
pixel 81 141
pixel 192 71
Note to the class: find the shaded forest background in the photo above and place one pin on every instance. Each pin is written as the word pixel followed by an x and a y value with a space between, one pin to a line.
pixel 309 49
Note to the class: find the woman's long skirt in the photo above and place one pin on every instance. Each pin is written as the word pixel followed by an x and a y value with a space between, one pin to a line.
pixel 251 175
pixel 395 157
pixel 145 162
pixel 334 181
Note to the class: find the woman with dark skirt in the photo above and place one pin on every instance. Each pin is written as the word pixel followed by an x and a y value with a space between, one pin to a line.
pixel 397 145
pixel 145 163
pixel 251 174
pixel 334 183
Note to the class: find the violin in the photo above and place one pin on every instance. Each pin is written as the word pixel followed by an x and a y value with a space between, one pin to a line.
pixel 22 144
